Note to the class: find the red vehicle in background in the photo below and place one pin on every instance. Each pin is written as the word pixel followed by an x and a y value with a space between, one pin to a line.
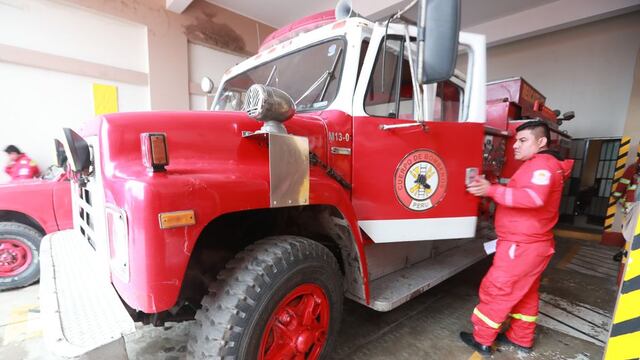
pixel 29 209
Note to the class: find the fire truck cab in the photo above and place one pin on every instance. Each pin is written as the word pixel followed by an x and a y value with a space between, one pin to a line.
pixel 333 164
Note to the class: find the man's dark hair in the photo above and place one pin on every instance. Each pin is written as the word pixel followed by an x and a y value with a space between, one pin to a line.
pixel 540 129
pixel 12 149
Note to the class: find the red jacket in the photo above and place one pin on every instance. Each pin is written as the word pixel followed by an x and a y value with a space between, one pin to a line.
pixel 528 206
pixel 22 168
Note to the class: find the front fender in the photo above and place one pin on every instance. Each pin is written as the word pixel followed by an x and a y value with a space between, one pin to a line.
pixel 159 257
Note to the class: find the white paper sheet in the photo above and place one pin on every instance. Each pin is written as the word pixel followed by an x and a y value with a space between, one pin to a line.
pixel 490 246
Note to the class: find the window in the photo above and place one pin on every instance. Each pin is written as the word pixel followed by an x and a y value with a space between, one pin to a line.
pixel 390 91
pixel 311 76
pixel 447 107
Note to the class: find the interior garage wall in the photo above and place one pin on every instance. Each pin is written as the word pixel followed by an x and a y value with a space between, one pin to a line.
pixel 212 63
pixel 588 69
pixel 168 37
pixel 632 124
pixel 39 42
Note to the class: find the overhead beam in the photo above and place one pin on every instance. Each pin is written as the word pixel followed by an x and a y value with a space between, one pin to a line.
pixel 178 6
pixel 554 16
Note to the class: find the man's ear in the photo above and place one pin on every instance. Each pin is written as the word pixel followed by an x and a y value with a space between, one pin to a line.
pixel 542 142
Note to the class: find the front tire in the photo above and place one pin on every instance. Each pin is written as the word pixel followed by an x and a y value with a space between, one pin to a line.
pixel 280 298
pixel 19 262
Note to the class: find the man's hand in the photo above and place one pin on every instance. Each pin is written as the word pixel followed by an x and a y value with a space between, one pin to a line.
pixel 479 186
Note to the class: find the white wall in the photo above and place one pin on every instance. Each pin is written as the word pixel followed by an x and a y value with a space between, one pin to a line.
pixel 587 69
pixel 204 61
pixel 36 103
pixel 56 28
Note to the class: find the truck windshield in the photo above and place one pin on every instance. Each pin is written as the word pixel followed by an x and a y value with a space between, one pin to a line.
pixel 310 76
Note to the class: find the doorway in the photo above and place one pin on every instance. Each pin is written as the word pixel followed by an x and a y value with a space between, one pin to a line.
pixel 586 194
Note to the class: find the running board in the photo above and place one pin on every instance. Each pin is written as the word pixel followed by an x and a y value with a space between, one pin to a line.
pixel 393 290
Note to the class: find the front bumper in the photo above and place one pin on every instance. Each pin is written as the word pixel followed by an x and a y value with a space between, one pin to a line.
pixel 80 313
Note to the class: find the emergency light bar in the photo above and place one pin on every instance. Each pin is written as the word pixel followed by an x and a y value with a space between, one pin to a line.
pixel 154 151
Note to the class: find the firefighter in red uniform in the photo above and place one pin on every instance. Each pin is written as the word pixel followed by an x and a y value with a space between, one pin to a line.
pixel 20 166
pixel 527 211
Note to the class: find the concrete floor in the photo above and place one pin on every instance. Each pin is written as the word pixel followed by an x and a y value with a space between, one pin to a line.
pixel 578 290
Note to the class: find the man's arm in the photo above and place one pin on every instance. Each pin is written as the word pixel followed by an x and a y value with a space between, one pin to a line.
pixel 8 168
pixel 532 194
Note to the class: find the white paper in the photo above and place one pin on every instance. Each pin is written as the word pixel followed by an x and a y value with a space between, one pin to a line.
pixel 490 246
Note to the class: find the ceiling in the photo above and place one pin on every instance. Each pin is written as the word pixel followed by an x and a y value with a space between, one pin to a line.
pixel 520 18
pixel 278 13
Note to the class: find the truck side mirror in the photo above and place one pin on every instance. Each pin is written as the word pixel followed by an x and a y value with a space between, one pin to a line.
pixel 438 31
pixel 78 151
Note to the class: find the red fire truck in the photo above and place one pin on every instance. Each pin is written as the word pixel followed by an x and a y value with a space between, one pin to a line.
pixel 333 164
pixel 28 210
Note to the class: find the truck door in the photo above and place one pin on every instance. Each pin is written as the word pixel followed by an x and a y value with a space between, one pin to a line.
pixel 409 180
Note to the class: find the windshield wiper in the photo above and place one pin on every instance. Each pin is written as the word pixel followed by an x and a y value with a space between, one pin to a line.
pixel 273 72
pixel 326 77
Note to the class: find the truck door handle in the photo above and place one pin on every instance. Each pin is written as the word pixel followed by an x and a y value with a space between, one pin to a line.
pixel 400 126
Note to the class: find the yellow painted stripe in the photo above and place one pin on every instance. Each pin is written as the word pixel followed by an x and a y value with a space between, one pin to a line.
pixel 623 151
pixel 486 320
pixel 623 347
pixel 580 235
pixel 527 318
pixel 475 356
pixel 627 307
pixel 633 268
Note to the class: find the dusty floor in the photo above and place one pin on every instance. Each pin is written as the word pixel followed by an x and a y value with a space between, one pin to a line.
pixel 578 297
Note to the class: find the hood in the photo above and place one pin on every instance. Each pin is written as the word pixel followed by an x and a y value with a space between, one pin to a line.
pixel 566 166
pixel 22 183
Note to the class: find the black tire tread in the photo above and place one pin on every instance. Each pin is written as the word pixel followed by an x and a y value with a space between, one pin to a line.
pixel 31 235
pixel 235 291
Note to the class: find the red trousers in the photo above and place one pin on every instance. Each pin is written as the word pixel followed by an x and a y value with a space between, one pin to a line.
pixel 510 289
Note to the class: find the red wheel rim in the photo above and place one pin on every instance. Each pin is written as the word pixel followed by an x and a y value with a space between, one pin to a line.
pixel 298 327
pixel 15 257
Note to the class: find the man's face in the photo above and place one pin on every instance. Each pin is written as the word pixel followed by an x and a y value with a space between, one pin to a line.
pixel 527 145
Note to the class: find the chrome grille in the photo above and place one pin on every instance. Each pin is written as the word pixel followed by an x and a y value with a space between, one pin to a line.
pixel 85 223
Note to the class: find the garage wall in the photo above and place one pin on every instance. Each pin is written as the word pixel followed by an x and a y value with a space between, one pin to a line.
pixel 205 61
pixel 64 30
pixel 45 47
pixel 588 69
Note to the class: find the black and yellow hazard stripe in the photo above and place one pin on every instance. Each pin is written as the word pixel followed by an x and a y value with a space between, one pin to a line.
pixel 624 338
pixel 621 163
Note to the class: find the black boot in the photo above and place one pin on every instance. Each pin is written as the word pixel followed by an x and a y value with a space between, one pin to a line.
pixel 504 340
pixel 468 339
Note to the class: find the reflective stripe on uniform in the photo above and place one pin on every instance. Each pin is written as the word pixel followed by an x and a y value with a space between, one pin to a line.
pixel 625 181
pixel 486 320
pixel 526 318
pixel 617 194
pixel 632 187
